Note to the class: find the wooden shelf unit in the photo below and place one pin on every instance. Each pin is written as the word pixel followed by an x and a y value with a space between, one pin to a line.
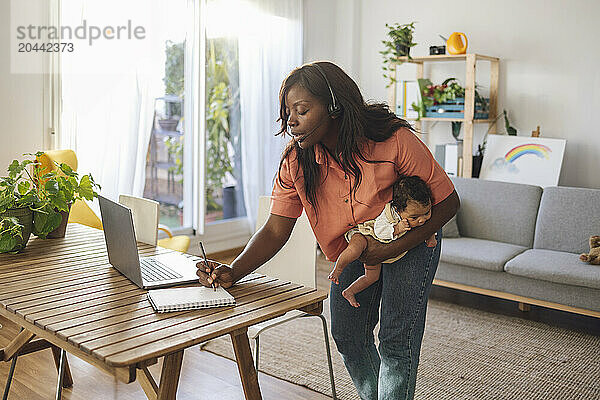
pixel 470 61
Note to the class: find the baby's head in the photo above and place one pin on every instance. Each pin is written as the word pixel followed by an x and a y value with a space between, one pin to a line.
pixel 412 200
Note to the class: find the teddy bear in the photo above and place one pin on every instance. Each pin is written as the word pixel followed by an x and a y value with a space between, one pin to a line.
pixel 593 257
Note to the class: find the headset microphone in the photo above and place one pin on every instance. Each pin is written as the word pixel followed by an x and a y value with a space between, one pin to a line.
pixel 310 133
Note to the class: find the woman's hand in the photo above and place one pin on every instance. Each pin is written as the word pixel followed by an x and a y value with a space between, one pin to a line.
pixel 374 253
pixel 220 274
pixel 432 241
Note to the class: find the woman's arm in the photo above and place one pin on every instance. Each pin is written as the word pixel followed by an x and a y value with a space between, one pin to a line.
pixel 263 245
pixel 441 213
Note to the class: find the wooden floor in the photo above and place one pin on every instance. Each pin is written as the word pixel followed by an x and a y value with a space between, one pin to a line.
pixel 203 376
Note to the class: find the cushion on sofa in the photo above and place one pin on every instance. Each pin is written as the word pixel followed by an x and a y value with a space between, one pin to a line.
pixel 567 218
pixel 450 229
pixel 499 211
pixel 478 253
pixel 555 266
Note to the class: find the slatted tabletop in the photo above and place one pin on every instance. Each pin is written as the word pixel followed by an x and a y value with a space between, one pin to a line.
pixel 65 291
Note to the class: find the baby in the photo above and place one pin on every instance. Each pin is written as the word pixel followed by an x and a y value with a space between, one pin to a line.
pixel 410 207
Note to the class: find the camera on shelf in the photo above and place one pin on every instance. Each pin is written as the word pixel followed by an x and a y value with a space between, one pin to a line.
pixel 436 50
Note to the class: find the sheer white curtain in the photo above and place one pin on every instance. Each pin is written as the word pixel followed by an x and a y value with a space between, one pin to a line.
pixel 270 46
pixel 108 91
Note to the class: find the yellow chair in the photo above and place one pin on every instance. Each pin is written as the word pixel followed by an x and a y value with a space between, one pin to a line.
pixel 179 243
pixel 81 213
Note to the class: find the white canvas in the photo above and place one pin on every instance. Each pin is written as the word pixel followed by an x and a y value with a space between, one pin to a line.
pixel 521 159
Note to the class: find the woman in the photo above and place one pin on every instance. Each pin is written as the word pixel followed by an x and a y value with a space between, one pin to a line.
pixel 340 166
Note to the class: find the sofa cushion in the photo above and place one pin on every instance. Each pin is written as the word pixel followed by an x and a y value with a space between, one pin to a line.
pixel 499 211
pixel 478 253
pixel 450 229
pixel 567 218
pixel 555 266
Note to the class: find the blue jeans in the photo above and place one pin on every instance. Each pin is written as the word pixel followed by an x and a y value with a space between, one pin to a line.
pixel 402 289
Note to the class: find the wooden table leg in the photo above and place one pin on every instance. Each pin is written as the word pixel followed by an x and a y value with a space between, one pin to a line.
pixel 248 374
pixel 169 377
pixel 147 383
pixel 67 377
pixel 17 344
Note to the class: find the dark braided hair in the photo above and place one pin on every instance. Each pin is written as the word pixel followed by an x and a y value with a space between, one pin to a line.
pixel 408 188
pixel 359 122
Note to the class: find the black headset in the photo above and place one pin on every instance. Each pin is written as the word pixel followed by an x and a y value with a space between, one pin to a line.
pixel 334 109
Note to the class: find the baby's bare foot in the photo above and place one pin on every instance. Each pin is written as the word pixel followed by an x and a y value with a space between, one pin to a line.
pixel 350 297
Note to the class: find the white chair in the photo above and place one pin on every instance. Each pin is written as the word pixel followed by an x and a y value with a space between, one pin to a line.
pixel 146 226
pixel 145 217
pixel 295 262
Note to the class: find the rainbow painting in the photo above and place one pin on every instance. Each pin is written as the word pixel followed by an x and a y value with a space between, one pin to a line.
pixel 538 150
pixel 504 160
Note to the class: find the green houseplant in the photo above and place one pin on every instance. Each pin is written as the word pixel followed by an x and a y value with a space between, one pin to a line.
pixel 399 44
pixel 432 94
pixel 36 201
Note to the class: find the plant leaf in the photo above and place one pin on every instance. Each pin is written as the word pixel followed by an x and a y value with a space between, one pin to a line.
pixel 23 187
pixel 7 243
pixel 40 220
pixel 66 169
pixel 51 186
pixel 85 188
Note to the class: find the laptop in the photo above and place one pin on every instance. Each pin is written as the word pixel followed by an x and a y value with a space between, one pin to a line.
pixel 147 272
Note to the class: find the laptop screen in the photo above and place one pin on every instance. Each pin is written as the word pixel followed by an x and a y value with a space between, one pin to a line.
pixel 120 239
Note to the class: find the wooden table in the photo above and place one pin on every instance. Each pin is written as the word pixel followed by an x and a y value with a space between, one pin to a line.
pixel 65 293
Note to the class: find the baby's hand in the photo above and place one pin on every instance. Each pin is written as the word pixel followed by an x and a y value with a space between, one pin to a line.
pixel 432 241
pixel 401 227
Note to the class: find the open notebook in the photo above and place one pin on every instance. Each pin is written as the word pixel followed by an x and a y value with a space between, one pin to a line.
pixel 189 298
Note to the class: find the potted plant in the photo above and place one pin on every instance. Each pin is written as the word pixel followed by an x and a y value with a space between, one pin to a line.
pixel 63 188
pixel 399 44
pixel 33 201
pixel 448 98
pixel 432 95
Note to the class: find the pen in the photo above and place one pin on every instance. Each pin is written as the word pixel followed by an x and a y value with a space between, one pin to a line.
pixel 214 286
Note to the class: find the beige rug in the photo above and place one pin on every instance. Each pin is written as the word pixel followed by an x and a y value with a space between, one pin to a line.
pixel 466 355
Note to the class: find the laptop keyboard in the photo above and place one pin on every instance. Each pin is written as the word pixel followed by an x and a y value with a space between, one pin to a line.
pixel 154 271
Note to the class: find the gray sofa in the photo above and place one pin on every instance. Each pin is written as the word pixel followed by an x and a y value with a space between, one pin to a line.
pixel 522 243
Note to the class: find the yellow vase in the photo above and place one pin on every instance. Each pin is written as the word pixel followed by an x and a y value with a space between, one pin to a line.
pixel 455 44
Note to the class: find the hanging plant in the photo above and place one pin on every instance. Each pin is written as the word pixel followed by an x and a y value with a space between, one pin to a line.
pixel 399 44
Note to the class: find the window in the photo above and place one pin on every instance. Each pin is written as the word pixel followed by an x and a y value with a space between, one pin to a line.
pixel 165 167
pixel 224 197
pixel 160 116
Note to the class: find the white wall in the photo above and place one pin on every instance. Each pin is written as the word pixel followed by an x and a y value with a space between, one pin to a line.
pixel 21 102
pixel 330 33
pixel 549 73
